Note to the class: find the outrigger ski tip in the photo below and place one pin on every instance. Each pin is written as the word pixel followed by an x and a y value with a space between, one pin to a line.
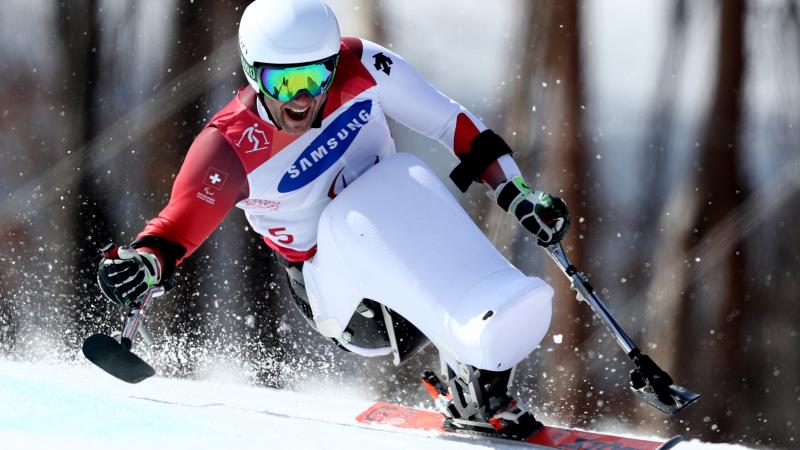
pixel 655 386
pixel 681 398
pixel 113 357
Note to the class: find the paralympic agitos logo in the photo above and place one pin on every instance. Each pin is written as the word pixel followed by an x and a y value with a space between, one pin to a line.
pixel 327 148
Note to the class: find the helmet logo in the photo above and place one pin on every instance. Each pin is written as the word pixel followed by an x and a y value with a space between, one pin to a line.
pixel 249 70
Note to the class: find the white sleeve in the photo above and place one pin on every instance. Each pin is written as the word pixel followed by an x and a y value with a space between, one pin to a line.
pixel 509 166
pixel 414 102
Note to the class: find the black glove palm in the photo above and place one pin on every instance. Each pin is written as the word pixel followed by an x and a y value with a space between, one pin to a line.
pixel 125 276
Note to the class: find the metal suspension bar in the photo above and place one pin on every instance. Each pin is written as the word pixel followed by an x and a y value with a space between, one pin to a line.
pixel 586 293
pixel 135 321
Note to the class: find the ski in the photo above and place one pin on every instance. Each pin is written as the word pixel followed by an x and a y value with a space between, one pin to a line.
pixel 397 416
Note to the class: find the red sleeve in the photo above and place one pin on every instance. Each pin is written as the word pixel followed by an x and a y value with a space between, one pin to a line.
pixel 210 182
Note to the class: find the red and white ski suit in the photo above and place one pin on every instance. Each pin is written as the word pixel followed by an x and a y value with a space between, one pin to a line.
pixel 282 181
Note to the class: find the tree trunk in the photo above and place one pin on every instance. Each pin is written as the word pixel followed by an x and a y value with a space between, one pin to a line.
pixel 721 190
pixel 569 171
pixel 79 26
pixel 705 317
pixel 500 227
pixel 654 185
pixel 89 226
pixel 545 128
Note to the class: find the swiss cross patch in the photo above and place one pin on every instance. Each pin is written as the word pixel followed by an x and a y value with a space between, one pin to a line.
pixel 215 178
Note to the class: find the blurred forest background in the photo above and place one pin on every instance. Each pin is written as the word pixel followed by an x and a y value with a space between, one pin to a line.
pixel 671 128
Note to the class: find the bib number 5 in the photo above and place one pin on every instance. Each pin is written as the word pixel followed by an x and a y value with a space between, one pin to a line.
pixel 281 235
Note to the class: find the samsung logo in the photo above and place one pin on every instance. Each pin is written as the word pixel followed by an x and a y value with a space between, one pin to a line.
pixel 327 148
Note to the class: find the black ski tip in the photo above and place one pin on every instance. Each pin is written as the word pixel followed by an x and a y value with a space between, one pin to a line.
pixel 108 354
pixel 671 443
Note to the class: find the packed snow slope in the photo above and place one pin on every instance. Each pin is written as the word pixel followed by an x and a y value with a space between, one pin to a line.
pixel 45 406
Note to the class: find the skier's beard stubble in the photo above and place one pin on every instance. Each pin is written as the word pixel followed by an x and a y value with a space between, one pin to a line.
pixel 297 115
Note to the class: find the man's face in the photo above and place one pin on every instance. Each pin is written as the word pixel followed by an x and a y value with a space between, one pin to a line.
pixel 296 115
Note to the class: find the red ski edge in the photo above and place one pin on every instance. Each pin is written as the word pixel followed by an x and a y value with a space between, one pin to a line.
pixel 554 437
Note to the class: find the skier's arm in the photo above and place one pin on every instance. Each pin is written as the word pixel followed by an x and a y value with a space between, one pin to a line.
pixel 484 156
pixel 210 182
pixel 411 100
pixel 540 213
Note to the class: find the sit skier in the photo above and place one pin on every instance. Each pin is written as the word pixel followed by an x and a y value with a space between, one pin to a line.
pixel 311 121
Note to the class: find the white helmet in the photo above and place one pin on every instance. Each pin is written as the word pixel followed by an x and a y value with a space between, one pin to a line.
pixel 286 32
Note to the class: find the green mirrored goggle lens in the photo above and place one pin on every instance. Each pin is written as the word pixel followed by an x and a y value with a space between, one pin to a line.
pixel 283 84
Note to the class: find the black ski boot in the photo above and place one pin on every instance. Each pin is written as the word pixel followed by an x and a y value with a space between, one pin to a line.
pixel 477 402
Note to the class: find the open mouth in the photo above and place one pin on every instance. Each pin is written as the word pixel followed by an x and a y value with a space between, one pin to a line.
pixel 297 114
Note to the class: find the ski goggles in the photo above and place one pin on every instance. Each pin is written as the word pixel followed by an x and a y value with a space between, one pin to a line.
pixel 283 83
